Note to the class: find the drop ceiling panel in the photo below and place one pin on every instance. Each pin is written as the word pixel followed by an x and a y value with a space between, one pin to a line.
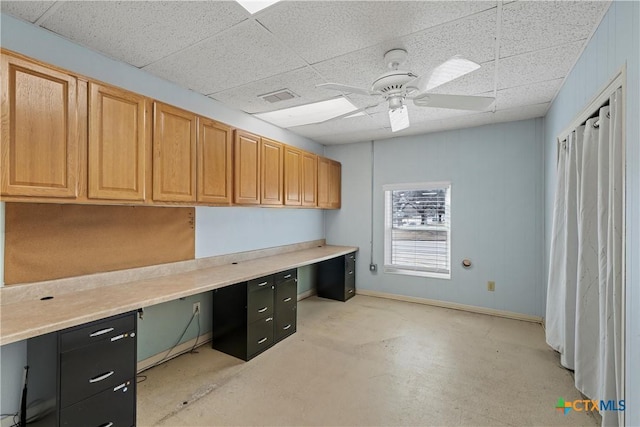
pixel 529 26
pixel 245 53
pixel 345 26
pixel 535 93
pixel 302 82
pixel 26 10
pixel 541 65
pixel 141 32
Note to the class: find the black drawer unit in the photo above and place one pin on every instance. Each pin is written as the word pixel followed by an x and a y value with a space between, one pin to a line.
pixel 88 372
pixel 250 317
pixel 336 277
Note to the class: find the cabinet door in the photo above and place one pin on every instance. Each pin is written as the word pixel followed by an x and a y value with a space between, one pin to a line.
pixel 246 168
pixel 271 183
pixel 309 179
pixel 324 182
pixel 292 176
pixel 215 143
pixel 174 154
pixel 39 130
pixel 117 144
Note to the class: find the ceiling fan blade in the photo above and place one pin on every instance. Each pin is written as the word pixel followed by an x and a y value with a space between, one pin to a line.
pixel 449 70
pixel 346 88
pixel 351 113
pixel 455 102
pixel 399 119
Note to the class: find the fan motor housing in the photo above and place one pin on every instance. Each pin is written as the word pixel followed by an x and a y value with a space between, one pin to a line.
pixel 393 82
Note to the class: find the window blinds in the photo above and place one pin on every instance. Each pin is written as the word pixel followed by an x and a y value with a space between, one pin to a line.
pixel 418 228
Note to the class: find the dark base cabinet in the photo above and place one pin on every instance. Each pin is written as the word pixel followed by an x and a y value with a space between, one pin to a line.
pixel 250 317
pixel 336 278
pixel 86 374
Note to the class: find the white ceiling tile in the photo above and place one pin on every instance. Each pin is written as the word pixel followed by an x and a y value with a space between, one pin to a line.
pixel 245 53
pixel 26 10
pixel 542 65
pixel 141 32
pixel 345 26
pixel 532 94
pixel 301 82
pixel 529 25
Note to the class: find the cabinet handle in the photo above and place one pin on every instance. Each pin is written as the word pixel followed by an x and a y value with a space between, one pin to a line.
pixel 117 337
pixel 286 299
pixel 263 340
pixel 101 332
pixel 351 272
pixel 263 309
pixel 262 284
pixel 287 327
pixel 106 425
pixel 268 319
pixel 101 377
pixel 287 276
pixel 350 291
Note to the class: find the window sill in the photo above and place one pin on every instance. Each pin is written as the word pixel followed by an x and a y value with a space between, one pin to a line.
pixel 396 270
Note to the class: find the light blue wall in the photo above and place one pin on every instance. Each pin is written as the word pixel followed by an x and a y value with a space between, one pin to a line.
pixel 496 211
pixel 218 230
pixel 616 42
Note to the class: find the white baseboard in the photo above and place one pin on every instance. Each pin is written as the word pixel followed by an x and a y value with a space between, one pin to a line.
pixel 452 305
pixel 180 349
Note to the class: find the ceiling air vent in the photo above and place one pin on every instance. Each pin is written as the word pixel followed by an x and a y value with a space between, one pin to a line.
pixel 277 96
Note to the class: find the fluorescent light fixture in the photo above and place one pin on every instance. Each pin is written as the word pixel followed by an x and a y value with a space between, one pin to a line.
pixel 255 6
pixel 309 113
pixel 399 118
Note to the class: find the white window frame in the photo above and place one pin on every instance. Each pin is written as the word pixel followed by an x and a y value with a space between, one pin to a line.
pixel 388 224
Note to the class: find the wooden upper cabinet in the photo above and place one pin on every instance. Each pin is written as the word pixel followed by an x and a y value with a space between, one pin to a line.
pixel 246 179
pixel 174 154
pixel 39 130
pixel 271 183
pixel 329 183
pixel 215 145
pixel 309 179
pixel 117 151
pixel 293 159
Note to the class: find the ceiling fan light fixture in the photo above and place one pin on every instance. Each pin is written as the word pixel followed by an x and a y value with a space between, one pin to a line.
pixel 399 118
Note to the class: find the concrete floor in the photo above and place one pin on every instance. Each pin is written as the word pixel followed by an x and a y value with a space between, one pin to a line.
pixel 371 361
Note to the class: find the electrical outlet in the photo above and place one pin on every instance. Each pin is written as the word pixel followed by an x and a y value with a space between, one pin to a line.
pixel 196 307
pixel 491 285
pixel 373 267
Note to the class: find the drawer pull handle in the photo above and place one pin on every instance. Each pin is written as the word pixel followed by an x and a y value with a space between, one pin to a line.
pixel 263 309
pixel 350 291
pixel 287 276
pixel 287 327
pixel 123 385
pixel 101 332
pixel 268 319
pixel 101 377
pixel 351 272
pixel 262 284
pixel 263 340
pixel 286 299
pixel 106 425
pixel 117 337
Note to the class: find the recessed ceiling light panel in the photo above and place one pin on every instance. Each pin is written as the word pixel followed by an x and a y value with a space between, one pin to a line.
pixel 255 6
pixel 310 113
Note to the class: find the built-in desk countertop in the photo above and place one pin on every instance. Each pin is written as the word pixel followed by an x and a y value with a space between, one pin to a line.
pixel 30 316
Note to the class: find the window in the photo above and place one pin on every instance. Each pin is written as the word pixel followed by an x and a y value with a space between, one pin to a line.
pixel 417 222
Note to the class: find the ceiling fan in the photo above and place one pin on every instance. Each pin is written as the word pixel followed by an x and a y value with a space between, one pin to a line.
pixel 396 86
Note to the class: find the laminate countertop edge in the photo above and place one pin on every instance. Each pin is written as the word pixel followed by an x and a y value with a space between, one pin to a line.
pixel 33 317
